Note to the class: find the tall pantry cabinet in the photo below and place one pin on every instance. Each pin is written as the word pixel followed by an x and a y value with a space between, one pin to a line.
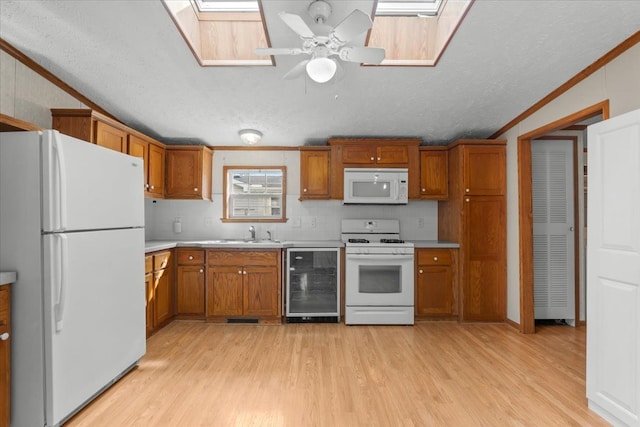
pixel 475 216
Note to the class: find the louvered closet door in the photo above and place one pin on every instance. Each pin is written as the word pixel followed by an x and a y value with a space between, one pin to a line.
pixel 553 229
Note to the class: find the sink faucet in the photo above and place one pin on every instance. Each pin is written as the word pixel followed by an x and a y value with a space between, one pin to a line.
pixel 252 230
pixel 269 234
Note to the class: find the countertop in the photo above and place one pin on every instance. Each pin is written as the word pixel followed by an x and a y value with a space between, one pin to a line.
pixel 159 245
pixel 7 277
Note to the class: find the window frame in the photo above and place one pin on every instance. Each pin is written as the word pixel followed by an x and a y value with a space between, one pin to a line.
pixel 225 194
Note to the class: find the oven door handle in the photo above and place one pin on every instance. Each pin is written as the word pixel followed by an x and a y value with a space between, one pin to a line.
pixel 385 257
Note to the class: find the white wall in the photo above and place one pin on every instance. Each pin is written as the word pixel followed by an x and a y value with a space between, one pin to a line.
pixel 27 96
pixel 201 219
pixel 619 82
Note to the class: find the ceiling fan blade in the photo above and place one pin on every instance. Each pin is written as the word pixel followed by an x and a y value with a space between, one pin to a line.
pixel 264 51
pixel 296 71
pixel 297 24
pixel 353 25
pixel 361 54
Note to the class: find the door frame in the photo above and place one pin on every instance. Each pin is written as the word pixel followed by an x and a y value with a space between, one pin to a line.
pixel 525 205
pixel 576 217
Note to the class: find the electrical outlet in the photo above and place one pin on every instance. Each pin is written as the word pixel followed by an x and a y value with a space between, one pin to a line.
pixel 296 222
pixel 420 222
pixel 208 222
pixel 314 222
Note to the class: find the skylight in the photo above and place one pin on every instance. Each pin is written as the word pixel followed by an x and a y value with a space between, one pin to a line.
pixel 408 8
pixel 227 6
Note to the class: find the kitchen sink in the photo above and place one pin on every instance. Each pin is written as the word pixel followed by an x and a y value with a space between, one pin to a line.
pixel 239 241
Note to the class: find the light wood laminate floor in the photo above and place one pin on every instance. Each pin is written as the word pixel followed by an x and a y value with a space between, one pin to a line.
pixel 431 374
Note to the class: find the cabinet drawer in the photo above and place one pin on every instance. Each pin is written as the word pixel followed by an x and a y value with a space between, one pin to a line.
pixel 148 264
pixel 161 260
pixel 434 257
pixel 242 257
pixel 190 256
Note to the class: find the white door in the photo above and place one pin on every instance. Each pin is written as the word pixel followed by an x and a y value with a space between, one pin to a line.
pixel 553 229
pixel 94 314
pixel 613 269
pixel 87 187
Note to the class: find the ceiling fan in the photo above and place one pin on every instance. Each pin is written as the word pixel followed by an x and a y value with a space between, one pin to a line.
pixel 329 45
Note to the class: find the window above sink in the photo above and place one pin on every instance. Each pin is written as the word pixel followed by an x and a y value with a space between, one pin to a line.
pixel 254 194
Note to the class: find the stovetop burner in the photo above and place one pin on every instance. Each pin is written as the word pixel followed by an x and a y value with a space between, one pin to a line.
pixel 358 241
pixel 391 241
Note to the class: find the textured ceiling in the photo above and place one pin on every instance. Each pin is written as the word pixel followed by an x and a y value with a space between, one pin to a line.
pixel 129 58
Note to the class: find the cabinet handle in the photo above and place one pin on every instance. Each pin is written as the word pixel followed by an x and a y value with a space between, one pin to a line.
pixel 146 186
pixel 244 272
pixel 195 189
pixel 201 271
pixel 378 158
pixel 435 258
pixel 372 159
pixel 467 190
pixel 190 257
pixel 466 200
pixel 305 190
pixel 420 271
pixel 153 187
pixel 424 189
pixel 239 271
pixel 4 336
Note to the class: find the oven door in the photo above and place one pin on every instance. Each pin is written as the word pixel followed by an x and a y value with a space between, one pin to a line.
pixel 379 280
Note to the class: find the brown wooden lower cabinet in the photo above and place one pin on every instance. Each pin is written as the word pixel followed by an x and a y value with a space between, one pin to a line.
pixel 159 289
pixel 436 285
pixel 190 283
pixel 243 284
pixel 5 355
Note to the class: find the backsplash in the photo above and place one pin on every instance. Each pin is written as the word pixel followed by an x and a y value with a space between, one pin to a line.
pixel 308 220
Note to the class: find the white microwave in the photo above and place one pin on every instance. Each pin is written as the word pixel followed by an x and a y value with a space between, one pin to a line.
pixel 376 186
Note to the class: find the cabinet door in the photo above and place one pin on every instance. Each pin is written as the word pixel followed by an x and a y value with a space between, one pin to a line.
pixel 139 147
pixel 5 355
pixel 315 167
pixel 359 154
pixel 184 173
pixel 190 295
pixel 484 170
pixel 156 170
pixel 162 295
pixel 224 291
pixel 388 154
pixel 433 290
pixel 433 175
pixel 110 137
pixel 484 268
pixel 261 291
pixel 151 310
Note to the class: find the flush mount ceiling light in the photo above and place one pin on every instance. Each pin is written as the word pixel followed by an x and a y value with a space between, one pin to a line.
pixel 250 136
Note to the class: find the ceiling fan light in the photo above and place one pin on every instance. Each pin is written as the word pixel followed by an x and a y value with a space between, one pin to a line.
pixel 321 70
pixel 250 136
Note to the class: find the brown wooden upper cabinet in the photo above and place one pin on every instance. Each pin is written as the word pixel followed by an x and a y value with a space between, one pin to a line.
pixel 375 155
pixel 110 137
pixel 188 172
pixel 315 173
pixel 153 156
pixel 484 170
pixel 434 175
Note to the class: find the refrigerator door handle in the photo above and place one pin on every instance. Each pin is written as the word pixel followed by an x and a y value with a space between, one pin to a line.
pixel 63 268
pixel 62 186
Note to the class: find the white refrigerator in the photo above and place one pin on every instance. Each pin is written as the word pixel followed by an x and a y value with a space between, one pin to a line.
pixel 72 226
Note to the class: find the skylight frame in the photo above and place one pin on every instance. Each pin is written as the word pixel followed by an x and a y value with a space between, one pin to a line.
pixel 420 8
pixel 227 6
